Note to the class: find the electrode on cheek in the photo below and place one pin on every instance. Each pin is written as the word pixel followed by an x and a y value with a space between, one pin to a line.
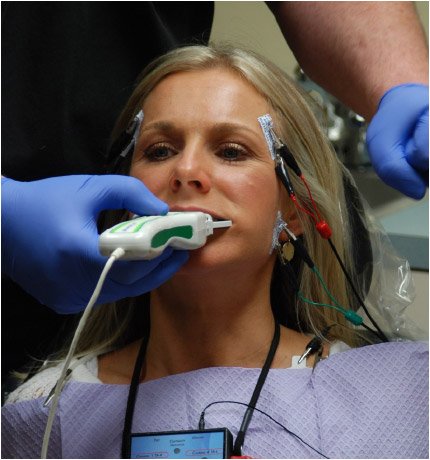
pixel 277 229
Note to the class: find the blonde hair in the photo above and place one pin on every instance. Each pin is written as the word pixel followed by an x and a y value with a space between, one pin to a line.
pixel 296 124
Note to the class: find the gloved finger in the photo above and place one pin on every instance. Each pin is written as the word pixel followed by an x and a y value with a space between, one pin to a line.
pixel 125 192
pixel 163 268
pixel 162 273
pixel 68 309
pixel 417 148
pixel 390 127
pixel 124 272
pixel 127 272
pixel 425 177
pixel 399 174
pixel 63 303
pixel 388 135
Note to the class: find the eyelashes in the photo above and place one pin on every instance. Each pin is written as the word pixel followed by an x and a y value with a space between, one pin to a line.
pixel 233 152
pixel 158 152
pixel 230 152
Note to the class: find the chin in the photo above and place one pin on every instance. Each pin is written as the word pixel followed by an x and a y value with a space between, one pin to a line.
pixel 206 259
pixel 223 259
pixel 199 260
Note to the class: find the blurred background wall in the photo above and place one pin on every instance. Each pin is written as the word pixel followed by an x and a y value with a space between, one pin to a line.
pixel 406 221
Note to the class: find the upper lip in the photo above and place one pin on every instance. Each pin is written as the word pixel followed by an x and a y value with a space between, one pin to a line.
pixel 214 214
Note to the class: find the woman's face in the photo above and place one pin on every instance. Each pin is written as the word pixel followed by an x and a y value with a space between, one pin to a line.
pixel 201 148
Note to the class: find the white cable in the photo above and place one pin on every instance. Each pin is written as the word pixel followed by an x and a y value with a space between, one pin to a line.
pixel 78 362
pixel 117 254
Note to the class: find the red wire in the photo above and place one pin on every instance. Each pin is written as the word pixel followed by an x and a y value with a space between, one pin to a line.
pixel 293 197
pixel 311 198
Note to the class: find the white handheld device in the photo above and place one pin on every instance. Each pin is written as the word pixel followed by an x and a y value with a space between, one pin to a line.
pixel 147 237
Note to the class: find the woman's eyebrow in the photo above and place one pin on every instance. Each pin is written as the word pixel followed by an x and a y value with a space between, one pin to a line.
pixel 229 127
pixel 216 128
pixel 158 126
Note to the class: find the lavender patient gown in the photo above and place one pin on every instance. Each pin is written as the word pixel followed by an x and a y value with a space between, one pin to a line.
pixel 369 402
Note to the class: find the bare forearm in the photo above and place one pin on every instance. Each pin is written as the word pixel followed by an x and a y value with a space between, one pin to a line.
pixel 356 50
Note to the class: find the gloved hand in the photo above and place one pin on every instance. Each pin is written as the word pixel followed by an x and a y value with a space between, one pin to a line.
pixel 50 239
pixel 398 139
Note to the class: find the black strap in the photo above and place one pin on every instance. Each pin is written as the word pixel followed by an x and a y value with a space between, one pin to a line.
pixel 132 393
pixel 240 439
pixel 134 385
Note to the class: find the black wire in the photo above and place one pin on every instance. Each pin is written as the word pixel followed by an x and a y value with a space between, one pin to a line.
pixel 202 416
pixel 134 386
pixel 370 329
pixel 294 281
pixel 240 439
pixel 380 334
pixel 285 153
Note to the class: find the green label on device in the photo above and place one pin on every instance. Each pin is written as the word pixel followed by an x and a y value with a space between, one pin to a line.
pixel 161 238
pixel 132 226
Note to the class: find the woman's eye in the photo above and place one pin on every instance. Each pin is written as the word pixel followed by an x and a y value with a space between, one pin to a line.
pixel 233 153
pixel 158 152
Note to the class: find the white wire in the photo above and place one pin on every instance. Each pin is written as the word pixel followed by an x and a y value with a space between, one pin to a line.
pixel 117 254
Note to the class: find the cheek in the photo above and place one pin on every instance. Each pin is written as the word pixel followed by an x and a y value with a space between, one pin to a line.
pixel 255 191
pixel 257 199
pixel 155 181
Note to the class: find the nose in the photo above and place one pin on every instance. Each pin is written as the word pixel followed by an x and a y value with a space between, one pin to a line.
pixel 191 171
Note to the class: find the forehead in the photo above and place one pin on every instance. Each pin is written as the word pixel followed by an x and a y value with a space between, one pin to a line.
pixel 212 95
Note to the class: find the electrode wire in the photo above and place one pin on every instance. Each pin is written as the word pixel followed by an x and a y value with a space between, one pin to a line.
pixel 131 400
pixel 202 422
pixel 381 335
pixel 378 331
pixel 301 208
pixel 292 164
pixel 311 197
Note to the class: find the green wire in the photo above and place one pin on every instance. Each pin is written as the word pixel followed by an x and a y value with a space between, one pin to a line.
pixel 349 315
pixel 318 304
pixel 315 270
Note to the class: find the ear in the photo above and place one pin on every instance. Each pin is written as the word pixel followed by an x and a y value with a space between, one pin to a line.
pixel 293 222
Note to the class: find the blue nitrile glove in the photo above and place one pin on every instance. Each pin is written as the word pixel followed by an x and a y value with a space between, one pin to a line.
pixel 50 239
pixel 398 139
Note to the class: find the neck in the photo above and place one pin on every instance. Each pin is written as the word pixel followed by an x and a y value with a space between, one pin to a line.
pixel 194 324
